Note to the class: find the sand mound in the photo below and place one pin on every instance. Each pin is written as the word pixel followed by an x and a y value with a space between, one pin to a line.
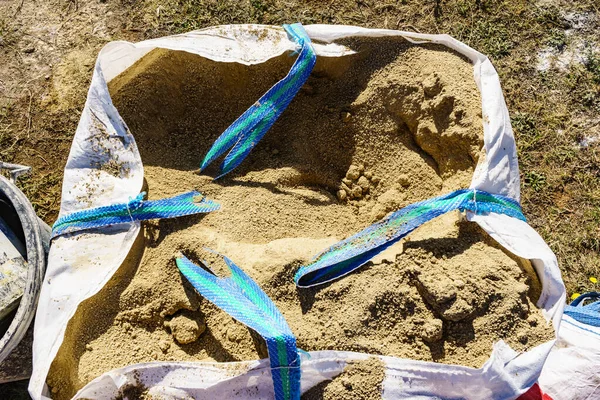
pixel 368 134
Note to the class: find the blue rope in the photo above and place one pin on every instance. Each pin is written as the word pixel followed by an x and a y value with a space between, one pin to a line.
pixel 242 298
pixel 246 131
pixel 351 253
pixel 135 210
pixel 585 313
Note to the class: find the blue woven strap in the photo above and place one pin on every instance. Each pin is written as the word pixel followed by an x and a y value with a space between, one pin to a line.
pixel 349 254
pixel 246 131
pixel 135 210
pixel 585 313
pixel 243 299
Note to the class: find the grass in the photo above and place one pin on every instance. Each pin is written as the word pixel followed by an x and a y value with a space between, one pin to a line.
pixel 557 39
pixel 14 391
pixel 592 64
pixel 8 34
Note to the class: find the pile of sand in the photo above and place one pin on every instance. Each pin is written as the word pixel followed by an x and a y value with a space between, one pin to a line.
pixel 368 134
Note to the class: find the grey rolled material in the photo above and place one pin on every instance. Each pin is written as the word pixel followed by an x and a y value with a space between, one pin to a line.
pixel 37 236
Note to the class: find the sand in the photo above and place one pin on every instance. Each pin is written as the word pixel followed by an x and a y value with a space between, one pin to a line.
pixel 368 134
pixel 360 381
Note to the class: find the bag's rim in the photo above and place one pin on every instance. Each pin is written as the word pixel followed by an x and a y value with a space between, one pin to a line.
pixel 497 174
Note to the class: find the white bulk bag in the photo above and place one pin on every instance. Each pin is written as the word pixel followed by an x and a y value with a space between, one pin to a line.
pixel 571 370
pixel 79 264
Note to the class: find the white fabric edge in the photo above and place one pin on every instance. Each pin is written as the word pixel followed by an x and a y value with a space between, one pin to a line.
pixel 73 276
pixel 570 372
pixel 404 378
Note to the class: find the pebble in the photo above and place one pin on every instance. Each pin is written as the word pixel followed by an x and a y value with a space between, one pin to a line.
pixel 375 179
pixel 459 310
pixel 346 116
pixel 347 182
pixel 346 383
pixel 532 320
pixel 377 212
pixel 341 195
pixel 357 192
pixel 363 182
pixel 404 180
pixel 164 345
pixel 433 330
pixel 353 173
pixel 368 174
pixel 390 199
pixel 233 336
pixel 459 284
pixel 346 188
pixel 186 330
pixel 522 338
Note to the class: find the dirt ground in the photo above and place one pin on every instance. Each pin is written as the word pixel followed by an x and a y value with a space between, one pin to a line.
pixel 547 54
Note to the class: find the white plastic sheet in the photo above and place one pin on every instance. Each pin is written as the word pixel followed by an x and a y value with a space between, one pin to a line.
pixel 571 371
pixel 77 269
